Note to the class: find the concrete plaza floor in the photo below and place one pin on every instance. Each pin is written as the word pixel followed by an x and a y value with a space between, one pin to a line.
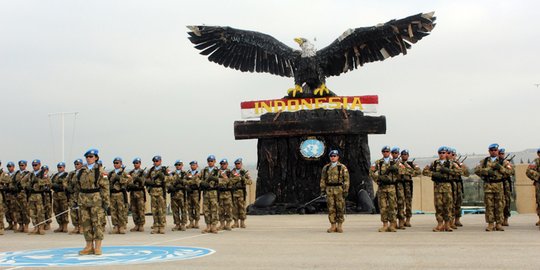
pixel 301 242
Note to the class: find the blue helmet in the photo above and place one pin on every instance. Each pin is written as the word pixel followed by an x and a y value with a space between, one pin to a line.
pixel 92 151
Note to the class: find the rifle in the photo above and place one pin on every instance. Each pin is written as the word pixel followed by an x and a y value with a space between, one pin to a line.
pixel 310 202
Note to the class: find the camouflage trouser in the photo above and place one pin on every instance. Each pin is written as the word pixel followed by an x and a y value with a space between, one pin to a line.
pixel 137 206
pixel 507 198
pixel 92 222
pixel 159 209
pixel 239 205
pixel 61 205
pixel 444 205
pixel 23 216
pixel 36 208
pixel 494 202
pixel 74 213
pixel 2 211
pixel 210 207
pixel 400 200
pixel 537 189
pixel 119 211
pixel 11 209
pixel 408 199
pixel 48 207
pixel 387 202
pixel 336 204
pixel 194 205
pixel 179 208
pixel 225 206
pixel 458 198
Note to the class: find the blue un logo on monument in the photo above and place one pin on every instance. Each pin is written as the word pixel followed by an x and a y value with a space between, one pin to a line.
pixel 312 148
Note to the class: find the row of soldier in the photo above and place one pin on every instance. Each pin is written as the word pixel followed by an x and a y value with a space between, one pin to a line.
pixel 34 196
pixel 394 172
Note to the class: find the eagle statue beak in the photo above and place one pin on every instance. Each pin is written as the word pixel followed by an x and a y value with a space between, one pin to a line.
pixel 300 41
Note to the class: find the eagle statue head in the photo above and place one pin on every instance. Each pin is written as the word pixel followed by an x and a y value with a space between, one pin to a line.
pixel 308 49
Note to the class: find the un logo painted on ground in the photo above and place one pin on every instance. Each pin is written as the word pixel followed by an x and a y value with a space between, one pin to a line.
pixel 111 255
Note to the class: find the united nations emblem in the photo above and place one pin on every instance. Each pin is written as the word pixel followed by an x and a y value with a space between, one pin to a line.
pixel 312 148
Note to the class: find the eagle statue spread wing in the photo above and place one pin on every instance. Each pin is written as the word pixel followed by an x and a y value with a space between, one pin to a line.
pixel 257 52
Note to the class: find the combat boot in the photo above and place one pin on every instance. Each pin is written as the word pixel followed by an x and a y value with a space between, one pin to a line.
pixel 213 228
pixel 122 230
pixel 41 229
pixel 401 224
pixel 161 230
pixel 19 229
pixel 75 230
pixel 134 229
pixel 207 229
pixel 505 222
pixel 140 228
pixel 242 224
pixel 196 225
pixel 97 249
pixel 332 228
pixel 59 229
pixel 490 227
pixel 190 225
pixel 384 228
pixel 1 231
pixel 453 224
pixel 457 222
pixel 538 222
pixel 393 227
pixel 176 228
pixel 499 227
pixel 227 226
pixel 235 225
pixel 11 226
pixel 24 228
pixel 47 226
pixel 81 231
pixel 447 226
pixel 114 230
pixel 155 230
pixel 34 231
pixel 65 228
pixel 439 227
pixel 221 226
pixel 408 222
pixel 182 227
pixel 339 228
pixel 88 249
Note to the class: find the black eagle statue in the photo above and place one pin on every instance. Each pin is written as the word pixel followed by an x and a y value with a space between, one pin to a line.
pixel 257 52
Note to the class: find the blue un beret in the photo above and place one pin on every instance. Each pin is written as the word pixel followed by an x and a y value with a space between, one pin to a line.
pixel 22 162
pixel 137 160
pixel 224 161
pixel 502 150
pixel 45 167
pixel 99 162
pixel 405 152
pixel 156 158
pixel 385 148
pixel 178 162
pixel 238 160
pixel 395 149
pixel 117 159
pixel 442 148
pixel 79 160
pixel 193 162
pixel 61 164
pixel 36 161
pixel 11 164
pixel 493 146
pixel 211 158
pixel 94 152
pixel 538 151
pixel 333 152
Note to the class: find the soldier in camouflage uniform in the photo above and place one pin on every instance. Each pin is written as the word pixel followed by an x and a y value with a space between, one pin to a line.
pixel 411 170
pixel 209 185
pixel 47 205
pixel 441 172
pixel 454 178
pixel 533 172
pixel 73 191
pixel 137 196
pixel 118 182
pixel 156 184
pixel 507 185
pixel 491 170
pixel 225 196
pixel 385 173
pixel 240 179
pixel 400 189
pixel 11 205
pixel 38 180
pixel 4 180
pixel 193 195
pixel 335 185
pixel 19 181
pixel 60 197
pixel 458 189
pixel 94 201
pixel 176 186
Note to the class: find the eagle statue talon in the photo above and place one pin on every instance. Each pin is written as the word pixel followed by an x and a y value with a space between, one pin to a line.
pixel 297 88
pixel 322 90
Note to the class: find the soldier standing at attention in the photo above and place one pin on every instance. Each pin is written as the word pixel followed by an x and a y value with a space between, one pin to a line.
pixel 19 181
pixel 60 197
pixel 137 196
pixel 533 172
pixel 73 190
pixel 440 171
pixel 458 181
pixel 411 170
pixel 491 170
pixel 385 172
pixel 455 176
pixel 240 179
pixel 94 201
pixel 118 182
pixel 155 181
pixel 35 186
pixel 4 180
pixel 507 185
pixel 209 185
pixel 193 195
pixel 400 189
pixel 225 196
pixel 335 185
pixel 10 198
pixel 177 189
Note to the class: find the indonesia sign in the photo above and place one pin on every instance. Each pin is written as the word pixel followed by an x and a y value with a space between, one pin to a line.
pixel 254 109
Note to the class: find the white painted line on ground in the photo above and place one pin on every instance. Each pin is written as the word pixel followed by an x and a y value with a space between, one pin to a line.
pixel 174 240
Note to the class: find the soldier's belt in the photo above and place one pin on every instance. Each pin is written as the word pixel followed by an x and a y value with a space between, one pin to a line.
pixel 155 186
pixel 136 189
pixel 117 191
pixel 492 180
pixel 334 184
pixel 385 184
pixel 89 190
pixel 224 189
pixel 58 189
pixel 211 189
pixel 36 192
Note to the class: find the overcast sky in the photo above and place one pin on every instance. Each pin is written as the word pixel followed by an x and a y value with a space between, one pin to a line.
pixel 141 89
